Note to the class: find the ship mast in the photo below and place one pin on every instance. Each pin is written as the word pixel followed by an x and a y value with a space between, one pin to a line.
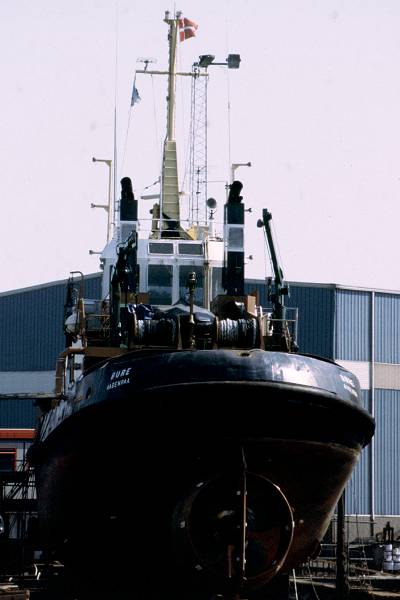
pixel 169 196
pixel 169 176
pixel 173 39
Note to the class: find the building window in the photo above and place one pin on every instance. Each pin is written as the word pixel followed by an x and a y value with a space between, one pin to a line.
pixel 7 459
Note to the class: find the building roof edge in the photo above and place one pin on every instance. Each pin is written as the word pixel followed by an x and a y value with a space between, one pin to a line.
pixel 39 286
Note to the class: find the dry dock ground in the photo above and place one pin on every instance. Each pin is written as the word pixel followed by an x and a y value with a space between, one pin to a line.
pixel 379 587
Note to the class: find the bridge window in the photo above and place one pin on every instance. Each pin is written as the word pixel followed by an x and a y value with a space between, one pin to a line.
pixel 216 282
pixel 160 284
pixel 192 249
pixel 161 248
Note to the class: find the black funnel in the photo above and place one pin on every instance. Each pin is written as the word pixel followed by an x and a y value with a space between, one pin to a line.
pixel 128 206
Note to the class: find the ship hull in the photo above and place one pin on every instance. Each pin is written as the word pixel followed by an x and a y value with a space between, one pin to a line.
pixel 119 466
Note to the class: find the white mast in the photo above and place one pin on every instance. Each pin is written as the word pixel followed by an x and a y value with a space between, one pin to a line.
pixel 169 177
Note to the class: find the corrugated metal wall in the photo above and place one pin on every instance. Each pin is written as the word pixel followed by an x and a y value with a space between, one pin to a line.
pixel 353 325
pixel 18 413
pixel 353 313
pixel 387 328
pixel 358 491
pixel 387 455
pixel 316 318
pixel 31 325
pixel 316 314
pixel 353 333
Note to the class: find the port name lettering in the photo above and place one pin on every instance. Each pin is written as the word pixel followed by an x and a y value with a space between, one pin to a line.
pixel 117 383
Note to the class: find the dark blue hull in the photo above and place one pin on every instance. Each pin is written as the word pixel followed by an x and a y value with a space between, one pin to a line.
pixel 153 444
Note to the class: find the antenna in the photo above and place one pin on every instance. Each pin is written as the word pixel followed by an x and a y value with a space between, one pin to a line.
pixel 146 61
pixel 235 166
pixel 107 207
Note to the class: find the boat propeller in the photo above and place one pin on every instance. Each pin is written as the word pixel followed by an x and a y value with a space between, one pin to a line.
pixel 232 533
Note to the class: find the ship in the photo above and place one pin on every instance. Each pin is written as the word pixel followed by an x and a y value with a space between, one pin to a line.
pixel 191 450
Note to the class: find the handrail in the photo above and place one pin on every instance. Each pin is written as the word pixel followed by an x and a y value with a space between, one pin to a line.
pixel 61 369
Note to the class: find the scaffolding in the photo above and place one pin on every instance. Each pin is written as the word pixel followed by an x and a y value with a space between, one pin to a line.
pixel 18 510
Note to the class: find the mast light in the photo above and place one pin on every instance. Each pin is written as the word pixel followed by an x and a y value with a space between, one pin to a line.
pixel 232 62
pixel 205 60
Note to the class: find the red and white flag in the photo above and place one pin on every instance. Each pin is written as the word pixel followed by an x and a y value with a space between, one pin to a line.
pixel 187 29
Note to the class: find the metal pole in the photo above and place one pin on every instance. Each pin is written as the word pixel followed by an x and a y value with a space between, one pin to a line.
pixel 342 582
pixel 295 585
pixel 372 395
pixel 191 282
pixel 108 206
pixel 115 164
pixel 235 166
pixel 109 200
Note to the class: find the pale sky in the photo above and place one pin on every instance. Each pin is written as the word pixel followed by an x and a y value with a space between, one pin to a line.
pixel 315 107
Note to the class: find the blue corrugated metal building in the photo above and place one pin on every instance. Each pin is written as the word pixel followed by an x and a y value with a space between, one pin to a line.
pixel 31 338
pixel 31 324
pixel 358 328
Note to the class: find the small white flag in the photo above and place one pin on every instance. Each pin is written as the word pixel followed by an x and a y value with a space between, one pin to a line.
pixel 135 95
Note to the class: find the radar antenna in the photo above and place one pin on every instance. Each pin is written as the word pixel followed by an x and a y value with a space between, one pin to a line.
pixel 146 61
